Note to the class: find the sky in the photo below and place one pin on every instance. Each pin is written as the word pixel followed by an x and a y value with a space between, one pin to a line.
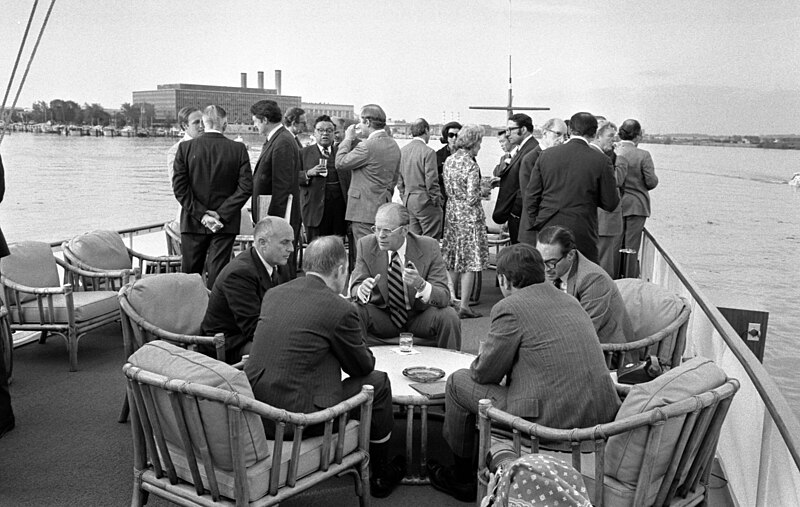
pixel 716 67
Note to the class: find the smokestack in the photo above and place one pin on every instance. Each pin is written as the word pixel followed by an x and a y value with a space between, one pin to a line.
pixel 278 82
pixel 244 79
pixel 260 80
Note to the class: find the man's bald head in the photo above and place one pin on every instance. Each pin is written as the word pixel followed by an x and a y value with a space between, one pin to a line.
pixel 273 238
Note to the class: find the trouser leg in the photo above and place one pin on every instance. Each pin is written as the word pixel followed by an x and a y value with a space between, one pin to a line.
pixel 461 408
pixel 193 252
pixel 439 324
pixel 634 225
pixel 220 250
pixel 382 418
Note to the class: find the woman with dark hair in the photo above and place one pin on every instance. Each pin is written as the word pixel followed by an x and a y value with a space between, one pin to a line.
pixel 449 135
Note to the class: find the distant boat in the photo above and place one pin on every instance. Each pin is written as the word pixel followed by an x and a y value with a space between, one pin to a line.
pixel 795 181
pixel 142 133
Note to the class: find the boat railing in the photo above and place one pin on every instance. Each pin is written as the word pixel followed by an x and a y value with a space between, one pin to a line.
pixel 759 446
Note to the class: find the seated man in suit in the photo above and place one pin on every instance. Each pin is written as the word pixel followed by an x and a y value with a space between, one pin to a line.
pixel 581 278
pixel 400 281
pixel 306 336
pixel 543 343
pixel 235 301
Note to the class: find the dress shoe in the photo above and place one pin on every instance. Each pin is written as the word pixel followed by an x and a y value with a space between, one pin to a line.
pixel 443 479
pixel 385 478
pixel 8 426
pixel 468 313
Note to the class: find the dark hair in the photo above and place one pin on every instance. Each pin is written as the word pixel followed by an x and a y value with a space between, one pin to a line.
pixel 324 255
pixel 267 110
pixel 583 124
pixel 555 234
pixel 184 113
pixel 292 115
pixel 629 130
pixel 446 130
pixel 419 127
pixel 324 117
pixel 521 264
pixel 522 120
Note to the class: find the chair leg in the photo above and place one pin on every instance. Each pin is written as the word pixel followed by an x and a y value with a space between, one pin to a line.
pixel 123 415
pixel 365 498
pixel 43 336
pixel 139 495
pixel 72 345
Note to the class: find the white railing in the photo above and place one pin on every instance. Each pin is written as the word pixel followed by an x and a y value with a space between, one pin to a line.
pixel 759 446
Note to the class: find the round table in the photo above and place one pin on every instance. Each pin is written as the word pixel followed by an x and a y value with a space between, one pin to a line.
pixel 393 364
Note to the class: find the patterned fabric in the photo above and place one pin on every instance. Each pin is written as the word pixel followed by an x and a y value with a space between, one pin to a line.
pixel 537 480
pixel 464 247
pixel 397 297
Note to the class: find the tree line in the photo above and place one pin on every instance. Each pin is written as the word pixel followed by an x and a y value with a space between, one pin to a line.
pixel 69 112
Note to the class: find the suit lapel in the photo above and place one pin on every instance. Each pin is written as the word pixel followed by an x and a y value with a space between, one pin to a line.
pixel 263 276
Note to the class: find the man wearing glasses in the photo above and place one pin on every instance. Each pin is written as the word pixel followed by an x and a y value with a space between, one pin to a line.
pixel 508 207
pixel 322 191
pixel 400 283
pixel 554 133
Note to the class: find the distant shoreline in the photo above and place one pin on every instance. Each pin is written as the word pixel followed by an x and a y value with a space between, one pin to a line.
pixel 766 146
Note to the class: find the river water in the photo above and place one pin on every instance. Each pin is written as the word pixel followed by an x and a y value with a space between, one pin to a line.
pixel 725 214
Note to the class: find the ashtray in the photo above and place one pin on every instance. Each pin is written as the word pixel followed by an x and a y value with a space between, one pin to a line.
pixel 423 373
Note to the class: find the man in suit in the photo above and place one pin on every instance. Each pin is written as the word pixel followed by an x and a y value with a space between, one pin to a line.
pixel 235 301
pixel 295 122
pixel 569 182
pixel 374 164
pixel 570 271
pixel 212 180
pixel 400 281
pixel 322 190
pixel 277 169
pixel 610 223
pixel 508 207
pixel 554 133
pixel 7 421
pixel 543 343
pixel 418 182
pixel 306 337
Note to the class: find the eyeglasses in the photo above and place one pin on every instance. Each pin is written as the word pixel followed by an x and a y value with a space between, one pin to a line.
pixel 509 130
pixel 451 135
pixel 385 232
pixel 325 131
pixel 557 133
pixel 552 263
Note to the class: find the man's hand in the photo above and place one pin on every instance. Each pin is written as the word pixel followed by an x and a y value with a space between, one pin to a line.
pixel 213 214
pixel 211 223
pixel 412 277
pixel 365 289
pixel 351 133
pixel 314 171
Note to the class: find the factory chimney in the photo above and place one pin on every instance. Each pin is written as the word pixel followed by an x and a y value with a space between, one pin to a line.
pixel 277 82
pixel 260 80
pixel 244 80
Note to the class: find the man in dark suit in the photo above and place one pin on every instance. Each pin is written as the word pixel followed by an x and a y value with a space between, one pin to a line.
pixel 235 301
pixel 581 278
pixel 212 180
pixel 569 182
pixel 7 421
pixel 400 281
pixel 418 182
pixel 295 122
pixel 508 207
pixel 374 163
pixel 322 190
pixel 277 169
pixel 306 337
pixel 544 344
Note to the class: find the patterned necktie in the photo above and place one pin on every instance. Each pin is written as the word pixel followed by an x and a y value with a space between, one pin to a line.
pixel 397 297
pixel 326 152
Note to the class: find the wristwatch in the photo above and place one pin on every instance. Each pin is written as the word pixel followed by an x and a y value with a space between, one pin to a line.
pixel 421 286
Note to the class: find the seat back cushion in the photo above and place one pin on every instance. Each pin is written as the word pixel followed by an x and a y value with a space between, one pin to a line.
pixel 651 308
pixel 174 302
pixel 101 250
pixel 30 263
pixel 177 363
pixel 625 452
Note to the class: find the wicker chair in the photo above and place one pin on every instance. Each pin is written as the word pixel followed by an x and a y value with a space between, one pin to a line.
pixel 199 439
pixel 37 302
pixel 656 452
pixel 659 319
pixel 6 342
pixel 103 251
pixel 172 230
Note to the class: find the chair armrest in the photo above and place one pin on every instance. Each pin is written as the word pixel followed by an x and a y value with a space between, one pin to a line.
pixel 34 290
pixel 155 258
pixel 117 273
pixel 278 415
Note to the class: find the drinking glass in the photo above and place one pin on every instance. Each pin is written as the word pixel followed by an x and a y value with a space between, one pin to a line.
pixel 323 167
pixel 406 342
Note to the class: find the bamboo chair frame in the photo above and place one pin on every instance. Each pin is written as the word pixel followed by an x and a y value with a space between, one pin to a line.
pixel 173 240
pixel 6 342
pixel 75 279
pixel 155 473
pixel 142 263
pixel 691 458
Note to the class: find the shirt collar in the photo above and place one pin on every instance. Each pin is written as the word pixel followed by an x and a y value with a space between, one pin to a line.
pixel 525 141
pixel 376 133
pixel 271 132
pixel 401 252
pixel 265 263
pixel 321 149
pixel 186 137
pixel 213 130
pixel 419 139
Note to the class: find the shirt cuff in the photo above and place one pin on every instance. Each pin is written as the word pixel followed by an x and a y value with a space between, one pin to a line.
pixel 425 293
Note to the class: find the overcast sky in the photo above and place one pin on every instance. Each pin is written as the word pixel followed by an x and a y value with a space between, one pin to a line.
pixel 720 67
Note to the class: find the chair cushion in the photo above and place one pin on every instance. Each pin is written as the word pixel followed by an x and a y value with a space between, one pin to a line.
pixel 103 250
pixel 88 305
pixel 176 363
pixel 30 263
pixel 174 302
pixel 625 452
pixel 650 306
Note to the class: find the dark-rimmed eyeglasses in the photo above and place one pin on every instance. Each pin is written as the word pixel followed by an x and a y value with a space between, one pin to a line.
pixel 451 135
pixel 384 232
pixel 557 133
pixel 552 263
pixel 509 130
pixel 325 131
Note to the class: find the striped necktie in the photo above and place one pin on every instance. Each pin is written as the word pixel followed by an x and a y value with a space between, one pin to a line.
pixel 397 293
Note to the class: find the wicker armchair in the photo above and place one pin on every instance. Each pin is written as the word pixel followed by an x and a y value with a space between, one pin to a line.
pixel 656 452
pixel 172 230
pixel 36 301
pixel 198 438
pixel 659 319
pixel 6 342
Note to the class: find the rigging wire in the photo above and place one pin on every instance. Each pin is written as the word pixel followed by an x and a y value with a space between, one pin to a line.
pixel 30 61
pixel 19 55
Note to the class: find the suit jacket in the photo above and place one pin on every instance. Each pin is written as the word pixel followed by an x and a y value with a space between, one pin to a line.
pixel 568 183
pixel 599 296
pixel 526 232
pixel 545 343
pixel 211 172
pixel 509 199
pixel 3 246
pixel 441 157
pixel 374 164
pixel 640 180
pixel 422 251
pixel 418 181
pixel 312 190
pixel 610 223
pixel 276 175
pixel 306 336
pixel 234 304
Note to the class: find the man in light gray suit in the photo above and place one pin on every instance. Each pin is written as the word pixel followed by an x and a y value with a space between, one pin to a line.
pixel 609 223
pixel 374 164
pixel 418 183
pixel 544 344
